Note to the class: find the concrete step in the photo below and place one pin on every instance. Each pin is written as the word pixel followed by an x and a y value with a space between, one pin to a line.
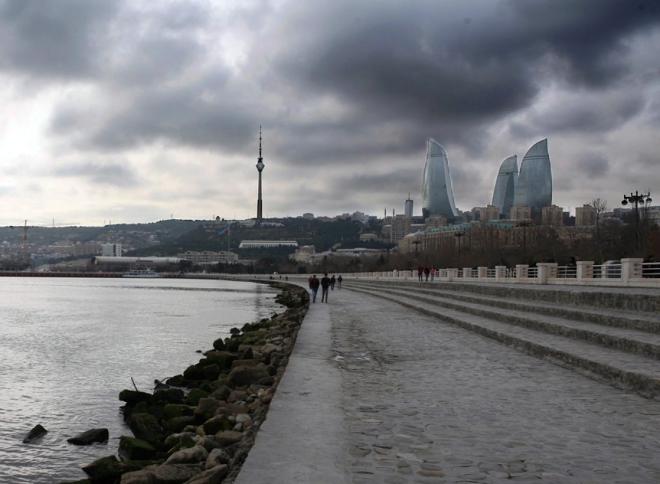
pixel 617 367
pixel 624 298
pixel 633 320
pixel 632 341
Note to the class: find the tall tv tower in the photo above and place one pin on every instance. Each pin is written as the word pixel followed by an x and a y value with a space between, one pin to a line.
pixel 260 168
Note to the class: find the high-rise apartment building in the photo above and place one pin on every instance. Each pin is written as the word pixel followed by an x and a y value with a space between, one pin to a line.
pixel 534 185
pixel 585 215
pixel 552 216
pixel 505 185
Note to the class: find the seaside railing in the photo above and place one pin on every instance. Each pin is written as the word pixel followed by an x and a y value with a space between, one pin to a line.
pixel 624 272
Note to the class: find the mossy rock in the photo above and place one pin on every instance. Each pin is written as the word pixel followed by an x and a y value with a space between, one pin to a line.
pixel 221 358
pixel 169 395
pixel 105 469
pixel 131 448
pixel 146 427
pixel 177 424
pixel 194 396
pixel 172 410
pixel 132 397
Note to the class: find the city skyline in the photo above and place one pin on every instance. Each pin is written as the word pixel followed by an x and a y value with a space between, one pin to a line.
pixel 136 111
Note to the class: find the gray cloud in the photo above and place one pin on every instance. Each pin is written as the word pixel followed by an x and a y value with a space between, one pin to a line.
pixel 342 87
pixel 108 173
pixel 63 39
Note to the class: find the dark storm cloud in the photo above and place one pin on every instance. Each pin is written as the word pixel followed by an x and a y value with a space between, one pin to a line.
pixel 109 173
pixel 337 85
pixel 401 73
pixel 593 165
pixel 582 112
pixel 62 39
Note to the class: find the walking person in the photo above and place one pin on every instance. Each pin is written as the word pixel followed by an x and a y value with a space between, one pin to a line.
pixel 339 279
pixel 314 287
pixel 427 271
pixel 332 282
pixel 325 285
pixel 433 269
pixel 420 271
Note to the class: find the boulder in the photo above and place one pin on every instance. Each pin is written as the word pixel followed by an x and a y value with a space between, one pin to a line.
pixel 248 362
pixel 195 395
pixel 244 418
pixel 105 469
pixel 37 432
pixel 219 344
pixel 132 397
pixel 228 437
pixel 245 375
pixel 216 424
pixel 172 410
pixel 144 476
pixel 174 473
pixel 221 393
pixel 146 427
pixel 194 372
pixel 176 380
pixel 237 396
pixel 221 358
pixel 209 442
pixel 188 456
pixel 217 457
pixel 214 475
pixel 89 437
pixel 212 371
pixel 131 448
pixel 177 424
pixel 206 408
pixel 169 395
pixel 180 440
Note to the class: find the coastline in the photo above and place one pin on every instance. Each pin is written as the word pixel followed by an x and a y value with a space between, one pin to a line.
pixel 199 426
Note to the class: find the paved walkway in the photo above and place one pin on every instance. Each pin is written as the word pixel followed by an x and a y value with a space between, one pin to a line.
pixel 376 393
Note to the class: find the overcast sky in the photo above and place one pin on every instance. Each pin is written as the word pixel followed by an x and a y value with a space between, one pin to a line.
pixel 134 111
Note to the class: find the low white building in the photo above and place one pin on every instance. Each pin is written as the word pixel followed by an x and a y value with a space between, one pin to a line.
pixel 267 244
pixel 146 261
pixel 208 257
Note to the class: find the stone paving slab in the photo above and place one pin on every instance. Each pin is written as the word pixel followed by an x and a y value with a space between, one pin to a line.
pixel 399 397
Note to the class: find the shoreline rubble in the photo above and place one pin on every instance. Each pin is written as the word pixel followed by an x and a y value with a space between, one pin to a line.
pixel 198 427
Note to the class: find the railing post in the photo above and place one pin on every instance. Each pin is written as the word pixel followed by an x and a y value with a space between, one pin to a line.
pixel 500 273
pixel 467 272
pixel 521 271
pixel 631 269
pixel 482 272
pixel 585 270
pixel 452 274
pixel 546 270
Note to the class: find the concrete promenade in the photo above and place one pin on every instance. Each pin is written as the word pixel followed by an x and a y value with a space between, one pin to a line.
pixel 376 392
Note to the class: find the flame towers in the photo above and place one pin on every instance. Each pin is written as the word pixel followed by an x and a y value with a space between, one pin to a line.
pixel 437 191
pixel 505 185
pixel 534 186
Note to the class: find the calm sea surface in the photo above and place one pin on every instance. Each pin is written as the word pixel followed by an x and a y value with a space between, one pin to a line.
pixel 68 346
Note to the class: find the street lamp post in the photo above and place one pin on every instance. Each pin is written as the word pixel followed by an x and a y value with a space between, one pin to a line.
pixel 636 199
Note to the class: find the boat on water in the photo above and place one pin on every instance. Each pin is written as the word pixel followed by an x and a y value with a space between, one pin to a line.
pixel 142 273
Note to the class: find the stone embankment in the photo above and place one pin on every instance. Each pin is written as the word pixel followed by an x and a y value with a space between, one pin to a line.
pixel 198 427
pixel 611 334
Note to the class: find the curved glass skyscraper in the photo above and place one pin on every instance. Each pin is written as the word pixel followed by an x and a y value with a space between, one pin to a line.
pixel 505 185
pixel 534 187
pixel 437 191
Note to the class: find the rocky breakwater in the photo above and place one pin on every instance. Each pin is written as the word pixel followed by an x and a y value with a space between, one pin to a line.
pixel 198 427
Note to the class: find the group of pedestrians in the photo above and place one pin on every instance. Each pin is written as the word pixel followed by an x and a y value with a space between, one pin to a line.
pixel 326 284
pixel 424 272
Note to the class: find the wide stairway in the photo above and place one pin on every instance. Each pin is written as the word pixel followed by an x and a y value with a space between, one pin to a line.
pixel 609 335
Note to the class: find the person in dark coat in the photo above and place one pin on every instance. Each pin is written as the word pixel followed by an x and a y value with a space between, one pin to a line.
pixel 420 271
pixel 332 282
pixel 314 286
pixel 339 279
pixel 325 285
pixel 427 271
